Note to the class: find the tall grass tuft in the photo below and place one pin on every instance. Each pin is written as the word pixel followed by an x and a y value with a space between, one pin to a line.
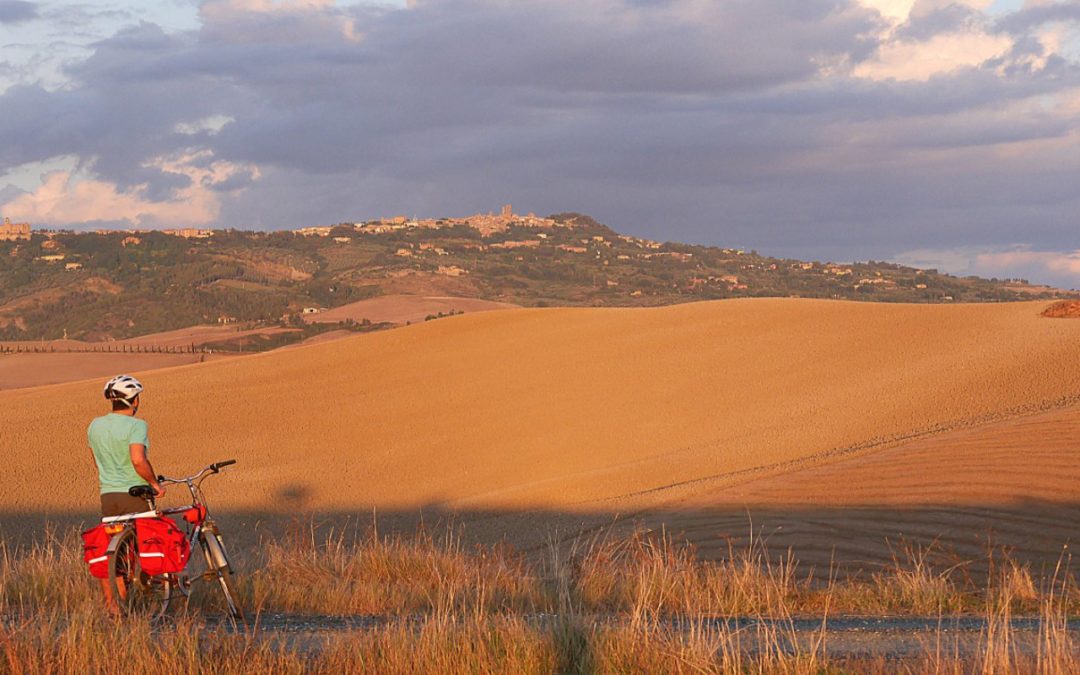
pixel 49 573
pixel 369 574
pixel 650 575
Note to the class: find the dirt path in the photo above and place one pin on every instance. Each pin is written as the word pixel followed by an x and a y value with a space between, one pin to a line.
pixel 896 639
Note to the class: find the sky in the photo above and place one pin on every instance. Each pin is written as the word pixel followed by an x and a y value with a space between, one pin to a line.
pixel 936 133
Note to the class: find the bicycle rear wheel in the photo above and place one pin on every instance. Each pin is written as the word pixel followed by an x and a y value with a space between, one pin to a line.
pixel 133 589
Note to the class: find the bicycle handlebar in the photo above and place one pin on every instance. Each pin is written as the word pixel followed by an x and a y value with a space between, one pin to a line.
pixel 213 468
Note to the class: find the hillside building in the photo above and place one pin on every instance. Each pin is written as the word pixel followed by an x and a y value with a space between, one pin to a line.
pixel 485 224
pixel 190 233
pixel 14 231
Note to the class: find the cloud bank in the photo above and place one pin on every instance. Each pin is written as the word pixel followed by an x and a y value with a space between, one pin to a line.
pixel 17 11
pixel 829 129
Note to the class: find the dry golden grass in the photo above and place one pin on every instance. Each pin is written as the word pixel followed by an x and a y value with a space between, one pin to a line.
pixel 641 605
pixel 392 575
pixel 645 577
pixel 495 645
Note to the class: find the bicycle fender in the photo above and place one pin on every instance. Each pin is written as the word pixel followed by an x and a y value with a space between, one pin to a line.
pixel 114 541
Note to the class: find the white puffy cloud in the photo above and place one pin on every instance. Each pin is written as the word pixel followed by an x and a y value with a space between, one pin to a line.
pixel 1016 261
pixel 902 60
pixel 895 10
pixel 64 198
pixel 211 124
pixel 1065 264
pixel 924 38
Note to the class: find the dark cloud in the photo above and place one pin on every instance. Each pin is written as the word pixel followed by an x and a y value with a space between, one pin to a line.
pixel 674 47
pixel 7 194
pixel 733 123
pixel 17 11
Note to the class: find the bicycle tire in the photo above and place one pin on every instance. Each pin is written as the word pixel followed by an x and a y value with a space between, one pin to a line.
pixel 141 593
pixel 223 573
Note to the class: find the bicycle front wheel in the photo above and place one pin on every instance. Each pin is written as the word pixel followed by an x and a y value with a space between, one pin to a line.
pixel 217 562
pixel 133 589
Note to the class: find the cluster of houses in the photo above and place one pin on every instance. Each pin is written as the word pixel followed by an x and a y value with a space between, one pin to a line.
pixel 10 231
pixel 485 223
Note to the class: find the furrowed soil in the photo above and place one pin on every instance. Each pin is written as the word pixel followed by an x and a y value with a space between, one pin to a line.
pixel 827 425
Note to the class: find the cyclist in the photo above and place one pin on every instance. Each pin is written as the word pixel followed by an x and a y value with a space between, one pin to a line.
pixel 119 443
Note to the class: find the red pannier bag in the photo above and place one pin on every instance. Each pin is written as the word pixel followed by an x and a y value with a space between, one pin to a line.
pixel 163 548
pixel 95 551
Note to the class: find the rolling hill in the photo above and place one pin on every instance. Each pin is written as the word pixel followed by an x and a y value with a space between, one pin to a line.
pixel 683 415
pixel 103 286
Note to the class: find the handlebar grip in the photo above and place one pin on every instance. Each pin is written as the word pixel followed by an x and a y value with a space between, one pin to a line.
pixel 220 465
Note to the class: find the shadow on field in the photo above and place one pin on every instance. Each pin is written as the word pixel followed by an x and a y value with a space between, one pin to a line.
pixel 848 539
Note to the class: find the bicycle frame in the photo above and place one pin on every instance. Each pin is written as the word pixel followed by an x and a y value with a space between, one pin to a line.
pixel 193 484
pixel 202 523
pixel 201 531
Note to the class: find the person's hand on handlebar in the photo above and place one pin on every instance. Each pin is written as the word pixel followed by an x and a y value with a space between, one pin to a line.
pixel 159 490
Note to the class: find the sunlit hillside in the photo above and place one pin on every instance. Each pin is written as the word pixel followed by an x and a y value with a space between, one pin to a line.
pixel 590 411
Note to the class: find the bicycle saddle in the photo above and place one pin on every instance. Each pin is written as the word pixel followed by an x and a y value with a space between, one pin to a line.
pixel 141 491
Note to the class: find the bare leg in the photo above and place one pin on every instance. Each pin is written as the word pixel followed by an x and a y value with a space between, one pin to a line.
pixel 110 601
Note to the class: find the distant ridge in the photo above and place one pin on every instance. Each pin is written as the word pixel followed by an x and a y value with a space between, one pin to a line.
pixel 110 285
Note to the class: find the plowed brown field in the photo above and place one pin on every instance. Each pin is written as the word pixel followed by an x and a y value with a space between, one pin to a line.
pixel 685 414
pixel 34 370
pixel 1012 484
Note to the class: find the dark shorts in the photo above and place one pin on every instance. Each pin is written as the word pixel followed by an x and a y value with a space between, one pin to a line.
pixel 121 503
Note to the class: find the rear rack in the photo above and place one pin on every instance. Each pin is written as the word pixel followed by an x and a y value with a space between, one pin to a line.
pixel 131 516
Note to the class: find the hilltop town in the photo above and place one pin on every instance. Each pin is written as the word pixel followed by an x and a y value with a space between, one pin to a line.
pixel 14 231
pixel 111 284
pixel 486 224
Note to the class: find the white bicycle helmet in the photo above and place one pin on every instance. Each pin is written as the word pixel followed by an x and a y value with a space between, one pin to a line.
pixel 123 388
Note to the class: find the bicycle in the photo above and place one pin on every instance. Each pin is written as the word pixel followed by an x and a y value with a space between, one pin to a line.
pixel 147 578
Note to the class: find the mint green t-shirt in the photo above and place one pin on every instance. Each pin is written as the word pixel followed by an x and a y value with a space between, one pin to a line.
pixel 111 437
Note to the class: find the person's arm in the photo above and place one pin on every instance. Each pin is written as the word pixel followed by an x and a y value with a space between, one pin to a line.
pixel 142 465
